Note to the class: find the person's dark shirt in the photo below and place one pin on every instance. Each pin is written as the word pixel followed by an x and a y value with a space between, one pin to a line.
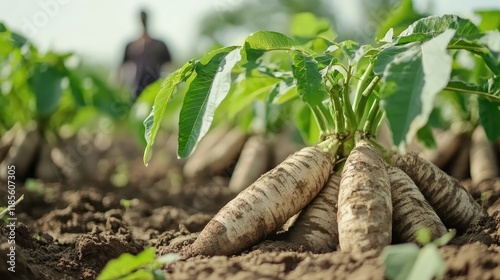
pixel 148 55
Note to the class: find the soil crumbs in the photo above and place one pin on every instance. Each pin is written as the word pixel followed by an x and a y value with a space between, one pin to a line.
pixel 71 232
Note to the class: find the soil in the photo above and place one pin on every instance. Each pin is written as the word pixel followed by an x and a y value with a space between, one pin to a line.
pixel 70 230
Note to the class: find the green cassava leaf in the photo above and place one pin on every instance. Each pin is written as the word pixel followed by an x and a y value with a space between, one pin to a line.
pixel 126 264
pixel 46 84
pixel 262 41
pixel 309 80
pixel 430 27
pixel 153 121
pixel 489 117
pixel 207 90
pixel 268 41
pixel 410 82
pixel 389 54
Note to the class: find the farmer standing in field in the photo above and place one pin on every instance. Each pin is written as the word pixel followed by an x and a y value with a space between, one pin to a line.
pixel 144 60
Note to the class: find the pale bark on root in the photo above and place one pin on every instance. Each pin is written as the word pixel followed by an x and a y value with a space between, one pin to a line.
pixel 266 205
pixel 252 163
pixel 222 156
pixel 483 161
pixel 453 204
pixel 316 226
pixel 219 157
pixel 194 164
pixel 411 211
pixel 364 208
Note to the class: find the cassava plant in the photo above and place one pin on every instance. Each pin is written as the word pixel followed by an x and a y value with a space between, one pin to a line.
pixel 244 142
pixel 44 99
pixel 461 146
pixel 344 92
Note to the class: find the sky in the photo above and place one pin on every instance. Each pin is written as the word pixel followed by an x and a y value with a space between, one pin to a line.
pixel 99 29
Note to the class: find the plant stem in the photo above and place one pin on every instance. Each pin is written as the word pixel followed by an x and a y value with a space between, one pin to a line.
pixel 339 116
pixel 330 145
pixel 351 122
pixel 377 122
pixel 371 116
pixel 360 108
pixel 330 122
pixel 362 84
pixel 337 108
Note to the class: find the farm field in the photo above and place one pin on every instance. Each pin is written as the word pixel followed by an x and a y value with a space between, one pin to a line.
pixel 309 149
pixel 70 231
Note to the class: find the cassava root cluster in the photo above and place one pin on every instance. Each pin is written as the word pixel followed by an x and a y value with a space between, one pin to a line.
pixel 357 209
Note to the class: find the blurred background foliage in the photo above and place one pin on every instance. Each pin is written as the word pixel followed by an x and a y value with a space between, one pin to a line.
pixel 60 92
pixel 55 90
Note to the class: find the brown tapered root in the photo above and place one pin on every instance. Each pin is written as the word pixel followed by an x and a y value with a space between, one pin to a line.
pixel 453 204
pixel 411 211
pixel 316 227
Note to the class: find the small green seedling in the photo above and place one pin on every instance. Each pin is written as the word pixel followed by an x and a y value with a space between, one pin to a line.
pixel 407 261
pixel 143 266
pixel 129 203
pixel 37 237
